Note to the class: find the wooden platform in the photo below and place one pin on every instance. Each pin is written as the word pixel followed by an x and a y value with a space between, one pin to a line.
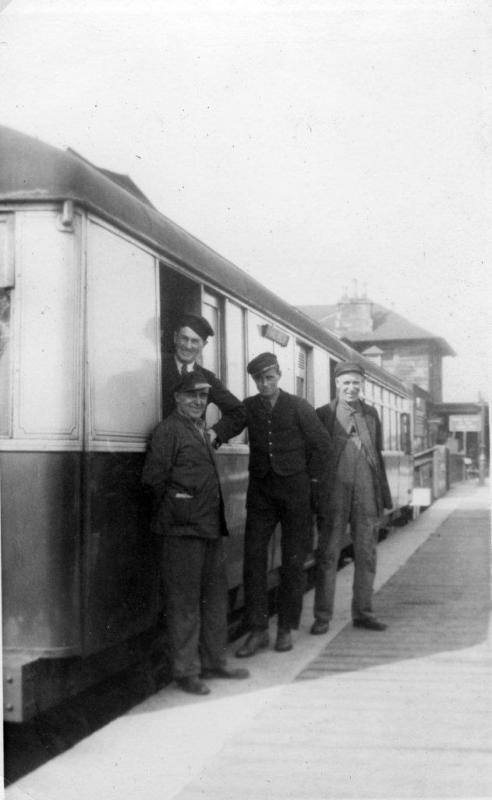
pixel 354 714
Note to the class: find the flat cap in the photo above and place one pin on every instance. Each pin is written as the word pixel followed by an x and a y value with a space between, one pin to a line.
pixel 348 366
pixel 191 381
pixel 262 362
pixel 200 325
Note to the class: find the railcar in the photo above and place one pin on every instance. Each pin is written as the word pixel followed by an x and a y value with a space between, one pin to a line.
pixel 92 280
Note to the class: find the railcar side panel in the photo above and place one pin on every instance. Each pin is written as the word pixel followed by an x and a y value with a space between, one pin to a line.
pixel 120 568
pixel 123 341
pixel 232 465
pixel 47 330
pixel 41 552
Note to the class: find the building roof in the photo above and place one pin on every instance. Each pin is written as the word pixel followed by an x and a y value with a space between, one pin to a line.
pixel 388 326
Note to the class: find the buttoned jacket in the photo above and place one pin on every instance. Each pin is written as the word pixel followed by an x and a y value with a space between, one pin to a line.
pixel 180 470
pixel 232 410
pixel 339 436
pixel 286 439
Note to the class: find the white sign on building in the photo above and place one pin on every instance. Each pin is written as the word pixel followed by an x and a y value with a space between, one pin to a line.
pixel 465 422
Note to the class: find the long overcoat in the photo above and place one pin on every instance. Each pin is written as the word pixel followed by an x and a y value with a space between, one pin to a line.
pixel 339 436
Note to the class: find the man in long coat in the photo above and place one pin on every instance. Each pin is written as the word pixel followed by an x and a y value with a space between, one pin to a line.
pixel 189 517
pixel 358 494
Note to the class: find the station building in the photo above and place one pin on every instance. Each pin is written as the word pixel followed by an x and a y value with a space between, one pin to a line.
pixel 415 355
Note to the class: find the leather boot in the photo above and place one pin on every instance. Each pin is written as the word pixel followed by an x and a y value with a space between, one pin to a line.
pixel 318 627
pixel 284 641
pixel 253 643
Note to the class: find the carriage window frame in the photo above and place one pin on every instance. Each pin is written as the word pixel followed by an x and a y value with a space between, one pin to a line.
pixel 6 309
pixel 112 426
pixel 212 354
pixel 213 311
pixel 235 355
pixel 303 350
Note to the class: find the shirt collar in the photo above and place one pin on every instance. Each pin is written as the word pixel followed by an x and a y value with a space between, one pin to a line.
pixel 350 408
pixel 179 364
pixel 199 424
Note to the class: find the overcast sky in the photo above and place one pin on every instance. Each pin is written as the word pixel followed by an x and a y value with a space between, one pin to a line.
pixel 310 143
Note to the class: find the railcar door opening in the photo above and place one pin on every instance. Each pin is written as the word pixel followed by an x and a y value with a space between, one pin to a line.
pixel 178 295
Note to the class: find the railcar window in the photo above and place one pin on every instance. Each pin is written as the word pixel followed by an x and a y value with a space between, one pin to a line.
pixel 368 391
pixel 235 353
pixel 5 393
pixel 396 429
pixel 386 428
pixel 212 351
pixel 235 347
pixel 301 371
pixel 256 343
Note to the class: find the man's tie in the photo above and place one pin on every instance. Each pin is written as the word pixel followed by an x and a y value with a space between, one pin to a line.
pixel 184 369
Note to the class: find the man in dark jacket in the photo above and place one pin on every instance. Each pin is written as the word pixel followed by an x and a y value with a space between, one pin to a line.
pixel 358 495
pixel 190 337
pixel 289 449
pixel 189 515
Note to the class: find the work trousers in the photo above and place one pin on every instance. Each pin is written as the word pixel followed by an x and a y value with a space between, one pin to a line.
pixel 351 502
pixel 270 500
pixel 195 597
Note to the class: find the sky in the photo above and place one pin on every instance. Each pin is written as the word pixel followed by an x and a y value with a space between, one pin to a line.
pixel 310 142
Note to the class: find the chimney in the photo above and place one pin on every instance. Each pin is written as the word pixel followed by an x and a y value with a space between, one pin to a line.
pixel 354 311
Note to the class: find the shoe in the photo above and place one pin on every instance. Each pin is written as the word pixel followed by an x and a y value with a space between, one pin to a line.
pixel 318 627
pixel 370 623
pixel 193 685
pixel 224 672
pixel 253 643
pixel 284 641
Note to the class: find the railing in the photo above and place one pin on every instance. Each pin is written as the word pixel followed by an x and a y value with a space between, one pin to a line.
pixel 431 472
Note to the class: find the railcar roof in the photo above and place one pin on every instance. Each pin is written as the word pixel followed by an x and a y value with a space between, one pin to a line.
pixel 35 171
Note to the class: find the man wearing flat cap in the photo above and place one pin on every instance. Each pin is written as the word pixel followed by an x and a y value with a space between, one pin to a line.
pixel 359 494
pixel 189 517
pixel 289 450
pixel 190 337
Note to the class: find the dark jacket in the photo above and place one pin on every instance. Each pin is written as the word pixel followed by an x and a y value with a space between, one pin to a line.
pixel 233 414
pixel 181 462
pixel 287 438
pixel 327 415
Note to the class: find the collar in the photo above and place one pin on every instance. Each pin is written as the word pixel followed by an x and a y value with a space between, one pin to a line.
pixel 199 423
pixel 267 403
pixel 350 408
pixel 179 364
